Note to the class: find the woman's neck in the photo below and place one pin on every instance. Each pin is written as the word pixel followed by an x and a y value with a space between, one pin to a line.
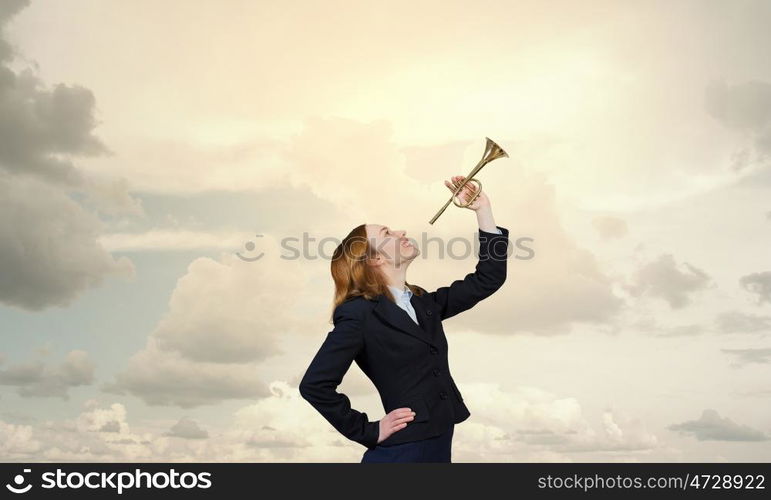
pixel 397 277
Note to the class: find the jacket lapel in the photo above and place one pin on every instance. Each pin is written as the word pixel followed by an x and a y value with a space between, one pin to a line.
pixel 420 312
pixel 399 319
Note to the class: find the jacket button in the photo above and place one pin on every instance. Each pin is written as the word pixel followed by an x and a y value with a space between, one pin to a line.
pixel 443 395
pixel 436 372
pixel 429 312
pixel 433 350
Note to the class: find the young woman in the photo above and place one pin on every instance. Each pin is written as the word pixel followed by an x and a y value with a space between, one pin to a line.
pixel 393 330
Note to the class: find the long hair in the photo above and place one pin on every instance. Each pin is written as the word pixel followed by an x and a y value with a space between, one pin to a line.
pixel 353 276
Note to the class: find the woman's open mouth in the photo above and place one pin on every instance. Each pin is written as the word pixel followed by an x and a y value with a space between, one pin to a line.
pixel 406 243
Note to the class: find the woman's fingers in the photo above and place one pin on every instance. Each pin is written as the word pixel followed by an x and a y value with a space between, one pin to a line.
pixel 454 183
pixel 399 418
pixel 403 419
pixel 465 194
pixel 401 414
pixel 468 190
pixel 398 427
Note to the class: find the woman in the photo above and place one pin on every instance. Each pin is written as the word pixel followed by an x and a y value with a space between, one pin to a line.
pixel 393 330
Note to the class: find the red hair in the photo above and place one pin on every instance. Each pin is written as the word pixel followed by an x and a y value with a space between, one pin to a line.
pixel 352 275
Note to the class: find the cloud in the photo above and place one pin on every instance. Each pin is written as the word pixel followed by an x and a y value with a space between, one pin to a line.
pixel 49 252
pixel 110 196
pixel 663 278
pixel 161 240
pixel 747 356
pixel 648 325
pixel 36 379
pixel 711 426
pixel 16 440
pixel 188 429
pixel 225 318
pixel 739 322
pixel 515 424
pixel 745 107
pixel 192 165
pixel 97 434
pixel 17 417
pixel 758 284
pixel 229 311
pixel 111 426
pixel 509 425
pixel 97 419
pixel 523 424
pixel 684 331
pixel 348 163
pixel 165 378
pixel 610 227
pixel 42 129
pixel 279 428
pixel 8 9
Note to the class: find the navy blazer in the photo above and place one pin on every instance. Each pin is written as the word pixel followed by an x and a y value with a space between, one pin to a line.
pixel 406 362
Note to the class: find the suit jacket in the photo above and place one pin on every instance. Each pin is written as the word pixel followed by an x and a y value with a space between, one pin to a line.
pixel 406 362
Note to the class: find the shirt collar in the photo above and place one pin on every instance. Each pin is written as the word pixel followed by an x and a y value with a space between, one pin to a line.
pixel 406 293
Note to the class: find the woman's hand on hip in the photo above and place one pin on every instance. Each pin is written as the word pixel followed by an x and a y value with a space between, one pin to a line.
pixel 395 421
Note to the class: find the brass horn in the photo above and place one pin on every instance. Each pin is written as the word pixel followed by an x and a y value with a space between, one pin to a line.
pixel 492 152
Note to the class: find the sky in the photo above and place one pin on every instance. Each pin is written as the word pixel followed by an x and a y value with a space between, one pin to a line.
pixel 150 151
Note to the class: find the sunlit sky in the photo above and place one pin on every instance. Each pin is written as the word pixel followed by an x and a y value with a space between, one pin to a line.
pixel 144 144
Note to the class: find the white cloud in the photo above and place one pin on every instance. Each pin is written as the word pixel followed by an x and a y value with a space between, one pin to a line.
pixel 225 318
pixel 746 356
pixel 758 284
pixel 161 240
pixel 663 278
pixel 526 422
pixel 161 377
pixel 711 426
pixel 49 252
pixel 37 379
pixel 740 322
pixel 610 227
pixel 188 429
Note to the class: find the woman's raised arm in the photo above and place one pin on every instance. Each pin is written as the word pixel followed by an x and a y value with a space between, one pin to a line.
pixel 490 272
pixel 489 276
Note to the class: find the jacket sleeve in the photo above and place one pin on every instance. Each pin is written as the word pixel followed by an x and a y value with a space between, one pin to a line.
pixel 318 385
pixel 489 276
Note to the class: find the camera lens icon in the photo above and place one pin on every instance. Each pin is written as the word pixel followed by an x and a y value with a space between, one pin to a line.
pixel 18 480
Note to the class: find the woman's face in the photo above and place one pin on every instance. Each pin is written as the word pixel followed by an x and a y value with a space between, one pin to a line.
pixel 392 245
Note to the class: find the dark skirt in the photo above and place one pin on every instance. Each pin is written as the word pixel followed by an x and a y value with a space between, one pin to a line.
pixel 434 449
